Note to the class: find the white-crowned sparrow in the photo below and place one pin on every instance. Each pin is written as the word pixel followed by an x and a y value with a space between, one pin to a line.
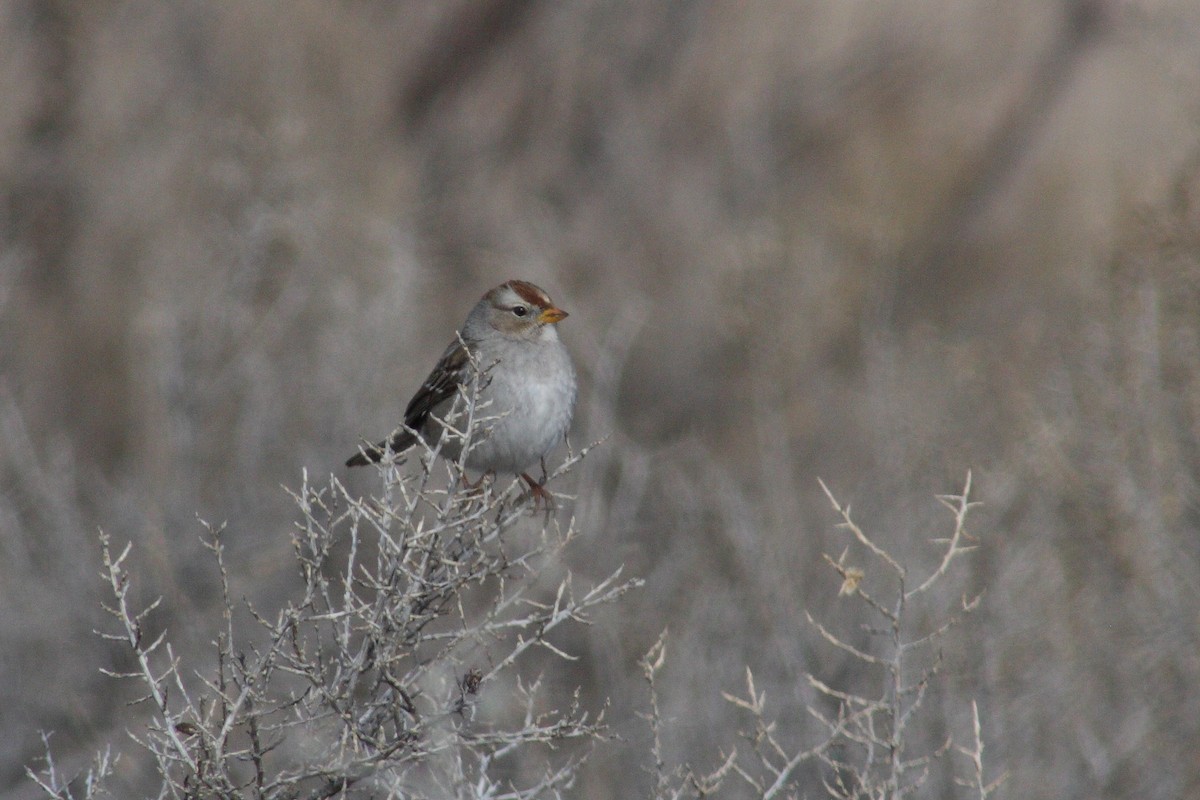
pixel 529 381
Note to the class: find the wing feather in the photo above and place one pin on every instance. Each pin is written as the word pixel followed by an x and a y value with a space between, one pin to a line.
pixel 451 372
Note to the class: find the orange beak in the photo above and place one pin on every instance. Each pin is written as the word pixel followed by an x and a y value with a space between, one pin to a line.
pixel 552 315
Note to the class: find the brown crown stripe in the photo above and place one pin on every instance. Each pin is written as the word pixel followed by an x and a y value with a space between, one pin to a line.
pixel 530 293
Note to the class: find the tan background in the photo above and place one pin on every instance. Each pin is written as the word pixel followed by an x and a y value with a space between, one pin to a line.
pixel 876 242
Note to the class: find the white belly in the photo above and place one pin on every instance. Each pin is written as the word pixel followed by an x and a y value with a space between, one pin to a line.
pixel 526 418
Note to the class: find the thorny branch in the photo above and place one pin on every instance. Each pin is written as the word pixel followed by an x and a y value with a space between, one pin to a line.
pixel 412 606
pixel 864 745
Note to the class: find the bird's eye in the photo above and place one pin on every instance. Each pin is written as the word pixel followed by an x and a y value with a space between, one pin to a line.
pixel 520 311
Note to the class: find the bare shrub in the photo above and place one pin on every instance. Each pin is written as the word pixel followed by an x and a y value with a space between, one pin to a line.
pixel 403 665
pixel 400 669
pixel 862 747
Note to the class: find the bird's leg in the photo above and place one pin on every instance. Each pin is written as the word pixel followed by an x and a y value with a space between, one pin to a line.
pixel 470 487
pixel 538 490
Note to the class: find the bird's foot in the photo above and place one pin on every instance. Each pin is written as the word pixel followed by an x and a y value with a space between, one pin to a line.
pixel 477 485
pixel 537 490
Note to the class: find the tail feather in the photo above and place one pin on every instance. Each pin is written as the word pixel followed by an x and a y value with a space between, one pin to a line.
pixel 399 442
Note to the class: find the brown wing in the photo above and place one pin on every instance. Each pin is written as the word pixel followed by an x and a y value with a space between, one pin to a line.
pixel 440 386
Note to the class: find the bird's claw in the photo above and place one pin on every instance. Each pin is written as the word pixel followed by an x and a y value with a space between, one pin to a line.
pixel 540 494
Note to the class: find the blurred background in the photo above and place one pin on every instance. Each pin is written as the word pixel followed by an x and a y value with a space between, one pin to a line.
pixel 879 243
